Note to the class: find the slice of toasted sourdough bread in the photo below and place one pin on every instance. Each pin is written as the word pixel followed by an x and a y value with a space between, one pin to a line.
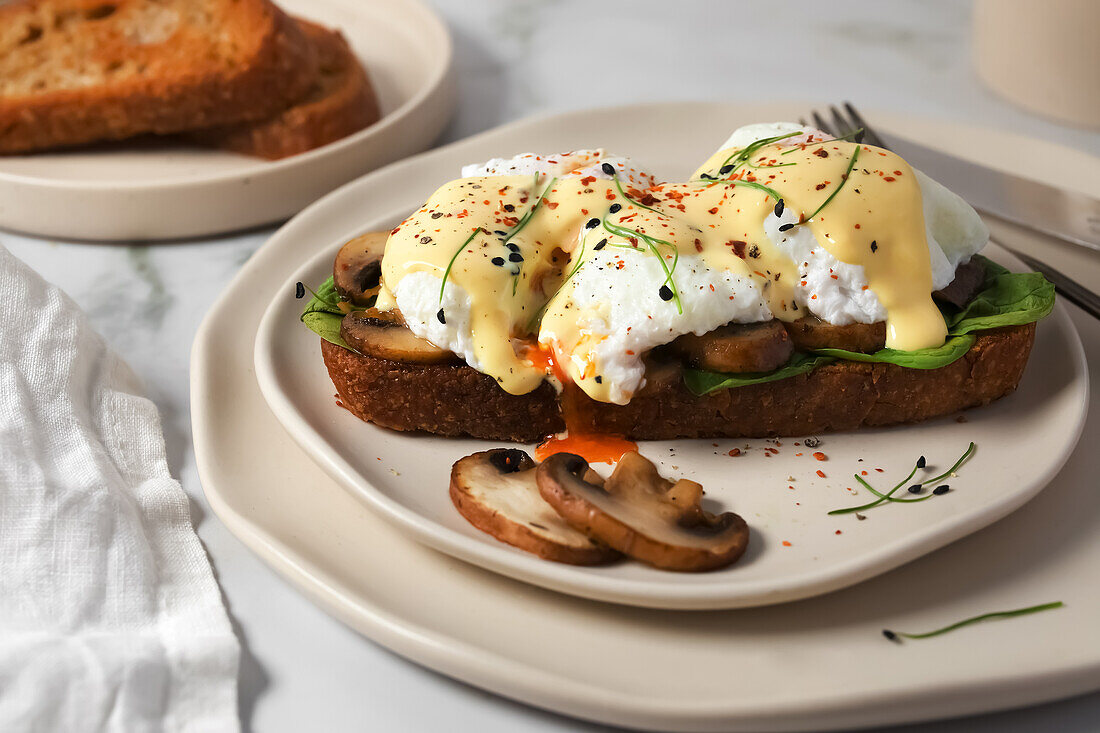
pixel 80 71
pixel 341 101
pixel 457 400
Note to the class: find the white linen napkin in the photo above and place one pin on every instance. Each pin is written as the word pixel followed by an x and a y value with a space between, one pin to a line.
pixel 110 618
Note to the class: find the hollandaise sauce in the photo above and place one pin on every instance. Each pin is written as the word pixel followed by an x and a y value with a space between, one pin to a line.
pixel 507 251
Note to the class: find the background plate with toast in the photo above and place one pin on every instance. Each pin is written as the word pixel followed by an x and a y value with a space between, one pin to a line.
pixel 150 189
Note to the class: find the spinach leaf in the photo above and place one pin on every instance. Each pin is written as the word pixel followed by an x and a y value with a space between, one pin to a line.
pixel 1006 299
pixel 952 350
pixel 702 382
pixel 323 315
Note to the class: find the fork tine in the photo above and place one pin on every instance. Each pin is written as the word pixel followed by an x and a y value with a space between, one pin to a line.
pixel 821 124
pixel 843 126
pixel 868 134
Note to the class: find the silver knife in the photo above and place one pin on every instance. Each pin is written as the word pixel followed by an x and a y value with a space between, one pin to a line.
pixel 1065 214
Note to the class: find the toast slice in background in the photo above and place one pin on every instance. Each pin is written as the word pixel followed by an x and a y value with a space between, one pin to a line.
pixel 340 102
pixel 81 71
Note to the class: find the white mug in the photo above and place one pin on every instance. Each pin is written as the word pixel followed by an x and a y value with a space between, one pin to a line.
pixel 1043 55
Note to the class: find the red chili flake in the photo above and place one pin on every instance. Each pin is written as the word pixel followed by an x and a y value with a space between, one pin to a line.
pixel 857 226
pixel 821 456
pixel 821 153
pixel 797 454
pixel 588 180
pixel 862 473
pixel 395 230
pixel 698 246
pixel 584 211
pixel 889 179
pixel 838 532
pixel 786 544
pixel 551 204
pixel 735 452
pixel 880 470
pixel 821 473
pixel 713 210
pixel 738 247
pixel 629 352
pixel 897 173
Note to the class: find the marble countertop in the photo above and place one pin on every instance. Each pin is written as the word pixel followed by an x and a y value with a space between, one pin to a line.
pixel 303 670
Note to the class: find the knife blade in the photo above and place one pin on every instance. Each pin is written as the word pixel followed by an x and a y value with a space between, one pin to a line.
pixel 1065 214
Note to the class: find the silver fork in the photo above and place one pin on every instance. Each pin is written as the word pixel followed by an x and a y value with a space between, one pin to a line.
pixel 842 126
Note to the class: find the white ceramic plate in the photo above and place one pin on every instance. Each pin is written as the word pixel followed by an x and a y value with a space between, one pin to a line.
pixel 797 550
pixel 162 190
pixel 818 664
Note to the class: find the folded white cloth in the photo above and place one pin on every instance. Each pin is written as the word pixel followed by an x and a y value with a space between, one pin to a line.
pixel 110 618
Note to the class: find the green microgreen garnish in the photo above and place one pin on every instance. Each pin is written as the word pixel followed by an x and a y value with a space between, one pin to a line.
pixel 898 635
pixel 739 182
pixel 632 201
pixel 447 272
pixel 531 212
pixel 889 495
pixel 652 242
pixel 739 158
pixel 843 180
pixel 523 222
pixel 848 137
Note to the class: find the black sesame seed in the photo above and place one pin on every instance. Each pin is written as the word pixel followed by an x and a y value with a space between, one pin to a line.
pixel 779 207
pixel 706 176
pixel 599 380
pixel 498 261
pixel 515 257
pixel 512 246
pixel 499 233
pixel 665 292
pixel 915 489
pixel 941 490
pixel 616 208
pixel 874 246
pixel 299 291
pixel 921 463
pixel 725 169
pixel 440 316
pixel 600 244
pixel 786 227
pixel 889 635
pixel 592 224
pixel 509 207
pixel 608 169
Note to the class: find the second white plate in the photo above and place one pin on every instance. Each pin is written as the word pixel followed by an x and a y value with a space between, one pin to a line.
pixel 161 190
pixel 797 549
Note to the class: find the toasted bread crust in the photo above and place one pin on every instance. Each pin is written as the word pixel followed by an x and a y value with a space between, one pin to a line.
pixel 443 399
pixel 341 102
pixel 181 81
pixel 456 400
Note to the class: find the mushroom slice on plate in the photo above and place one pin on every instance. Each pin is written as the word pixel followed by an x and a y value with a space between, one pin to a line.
pixel 383 334
pixel 495 491
pixel 357 270
pixel 641 514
